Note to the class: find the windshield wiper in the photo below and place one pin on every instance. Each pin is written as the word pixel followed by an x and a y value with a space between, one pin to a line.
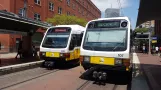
pixel 118 45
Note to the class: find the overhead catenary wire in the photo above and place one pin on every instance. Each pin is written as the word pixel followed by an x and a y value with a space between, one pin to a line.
pixel 120 6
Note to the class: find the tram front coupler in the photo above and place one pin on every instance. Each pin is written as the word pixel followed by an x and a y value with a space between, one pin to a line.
pixel 100 75
pixel 49 64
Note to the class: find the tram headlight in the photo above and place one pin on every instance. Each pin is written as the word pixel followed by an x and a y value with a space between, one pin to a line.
pixel 118 61
pixel 61 54
pixel 43 53
pixel 86 59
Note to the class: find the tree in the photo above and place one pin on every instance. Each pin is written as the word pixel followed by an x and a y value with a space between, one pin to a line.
pixel 139 30
pixel 66 20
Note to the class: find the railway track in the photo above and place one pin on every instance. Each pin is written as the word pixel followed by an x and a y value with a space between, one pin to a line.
pixel 83 85
pixel 89 85
pixel 32 78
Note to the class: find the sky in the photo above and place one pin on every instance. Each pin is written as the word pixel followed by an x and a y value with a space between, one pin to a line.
pixel 129 8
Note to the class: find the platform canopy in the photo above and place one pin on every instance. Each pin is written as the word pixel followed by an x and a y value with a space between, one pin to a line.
pixel 149 10
pixel 13 22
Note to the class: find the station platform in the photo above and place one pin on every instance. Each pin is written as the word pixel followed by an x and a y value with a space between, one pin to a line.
pixel 151 66
pixel 7 59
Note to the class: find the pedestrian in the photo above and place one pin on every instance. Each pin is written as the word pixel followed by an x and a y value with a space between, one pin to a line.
pixel 19 51
pixel 143 49
pixel 34 50
pixel 156 49
pixel 160 49
pixel 134 48
pixel 0 45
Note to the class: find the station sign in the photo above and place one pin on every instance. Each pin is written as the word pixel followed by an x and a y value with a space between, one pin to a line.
pixel 154 38
pixel 154 41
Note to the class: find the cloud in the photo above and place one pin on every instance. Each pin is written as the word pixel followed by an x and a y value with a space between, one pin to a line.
pixel 104 4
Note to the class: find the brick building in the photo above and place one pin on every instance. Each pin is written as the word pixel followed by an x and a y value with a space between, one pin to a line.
pixel 43 9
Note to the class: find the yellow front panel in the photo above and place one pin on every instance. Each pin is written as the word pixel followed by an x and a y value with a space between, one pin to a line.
pixel 52 54
pixel 78 53
pixel 74 55
pixel 71 56
pixel 102 60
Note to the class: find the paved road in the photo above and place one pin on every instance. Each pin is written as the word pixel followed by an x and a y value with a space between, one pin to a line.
pixel 66 79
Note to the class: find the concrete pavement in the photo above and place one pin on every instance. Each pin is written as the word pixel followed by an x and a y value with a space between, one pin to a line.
pixel 8 63
pixel 68 79
pixel 9 59
pixel 8 55
pixel 151 65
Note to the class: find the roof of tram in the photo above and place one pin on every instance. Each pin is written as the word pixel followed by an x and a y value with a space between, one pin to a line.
pixel 149 10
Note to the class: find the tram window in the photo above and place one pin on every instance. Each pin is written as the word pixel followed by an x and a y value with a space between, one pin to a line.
pixel 78 39
pixel 73 42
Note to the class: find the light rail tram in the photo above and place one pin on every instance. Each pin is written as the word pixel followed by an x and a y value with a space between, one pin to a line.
pixel 61 44
pixel 106 46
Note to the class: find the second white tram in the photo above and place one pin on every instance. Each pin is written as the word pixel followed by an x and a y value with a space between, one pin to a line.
pixel 106 46
pixel 61 44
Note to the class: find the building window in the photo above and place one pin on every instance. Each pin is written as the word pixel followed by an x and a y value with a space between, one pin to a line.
pixel 68 2
pixel 83 13
pixel 83 2
pixel 79 10
pixel 37 17
pixel 68 13
pixel 73 6
pixel 87 15
pixel 37 2
pixel 51 6
pixel 21 12
pixel 59 10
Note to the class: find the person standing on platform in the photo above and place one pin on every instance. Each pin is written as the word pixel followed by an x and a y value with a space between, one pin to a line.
pixel 19 51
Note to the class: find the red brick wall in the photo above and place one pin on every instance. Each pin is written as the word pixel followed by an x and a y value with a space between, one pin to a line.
pixel 4 39
pixel 5 4
pixel 43 8
pixel 90 13
pixel 12 40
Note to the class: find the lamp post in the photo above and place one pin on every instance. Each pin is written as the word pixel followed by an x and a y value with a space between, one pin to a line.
pixel 149 43
pixel 150 31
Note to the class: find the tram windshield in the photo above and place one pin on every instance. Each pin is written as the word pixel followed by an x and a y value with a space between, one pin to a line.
pixel 106 39
pixel 56 38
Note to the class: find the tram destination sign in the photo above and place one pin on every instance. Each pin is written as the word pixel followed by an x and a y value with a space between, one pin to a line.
pixel 59 30
pixel 107 24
